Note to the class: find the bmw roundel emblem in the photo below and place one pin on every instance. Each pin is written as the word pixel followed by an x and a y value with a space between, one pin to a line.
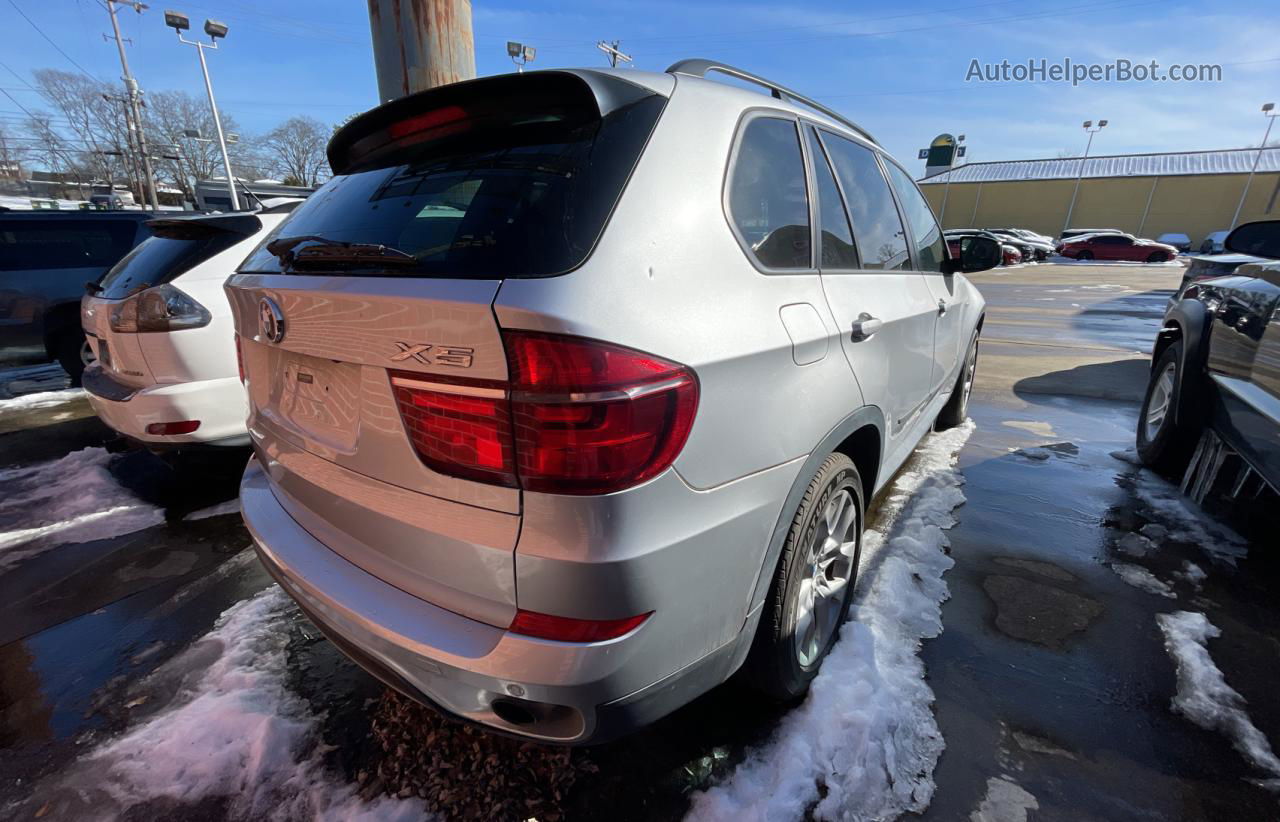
pixel 271 320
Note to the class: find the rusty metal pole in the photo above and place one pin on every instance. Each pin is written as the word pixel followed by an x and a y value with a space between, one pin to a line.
pixel 420 44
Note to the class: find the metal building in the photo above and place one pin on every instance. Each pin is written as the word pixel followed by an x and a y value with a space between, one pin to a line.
pixel 1193 192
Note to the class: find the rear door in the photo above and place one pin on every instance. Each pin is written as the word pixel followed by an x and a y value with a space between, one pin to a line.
pixel 949 340
pixel 874 282
pixel 360 314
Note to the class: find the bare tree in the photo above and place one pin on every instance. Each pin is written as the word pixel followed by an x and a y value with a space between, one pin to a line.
pixel 11 157
pixel 94 116
pixel 297 146
pixel 168 115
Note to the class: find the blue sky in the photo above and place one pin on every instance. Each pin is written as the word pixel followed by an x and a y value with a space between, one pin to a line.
pixel 897 68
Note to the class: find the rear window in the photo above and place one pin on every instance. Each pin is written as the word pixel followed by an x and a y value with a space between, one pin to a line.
pixel 160 259
pixel 525 198
pixel 58 243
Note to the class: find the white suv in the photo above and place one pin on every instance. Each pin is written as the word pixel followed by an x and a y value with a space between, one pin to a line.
pixel 160 328
pixel 568 392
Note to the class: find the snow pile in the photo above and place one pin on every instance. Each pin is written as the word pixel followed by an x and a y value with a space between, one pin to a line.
pixel 44 399
pixel 1005 801
pixel 1192 574
pixel 1141 578
pixel 72 499
pixel 1203 694
pixel 866 732
pixel 233 732
pixel 1185 521
pixel 231 506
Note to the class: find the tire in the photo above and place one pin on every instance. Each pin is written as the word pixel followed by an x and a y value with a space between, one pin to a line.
pixel 1085 255
pixel 956 411
pixel 1165 443
pixel 1157 257
pixel 70 350
pixel 780 664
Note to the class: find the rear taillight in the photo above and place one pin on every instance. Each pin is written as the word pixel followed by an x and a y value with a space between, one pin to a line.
pixel 160 309
pixel 166 429
pixel 577 416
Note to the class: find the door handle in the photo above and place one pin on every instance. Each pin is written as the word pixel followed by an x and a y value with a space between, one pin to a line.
pixel 865 326
pixel 942 307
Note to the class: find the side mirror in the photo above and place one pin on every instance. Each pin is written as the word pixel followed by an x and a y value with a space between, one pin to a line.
pixel 977 253
pixel 1261 239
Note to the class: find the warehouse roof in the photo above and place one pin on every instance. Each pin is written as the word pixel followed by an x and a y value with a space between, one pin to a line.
pixel 1224 161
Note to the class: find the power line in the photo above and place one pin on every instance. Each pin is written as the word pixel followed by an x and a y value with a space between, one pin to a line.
pixel 70 59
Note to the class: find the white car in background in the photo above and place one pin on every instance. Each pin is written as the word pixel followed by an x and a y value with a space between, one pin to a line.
pixel 160 326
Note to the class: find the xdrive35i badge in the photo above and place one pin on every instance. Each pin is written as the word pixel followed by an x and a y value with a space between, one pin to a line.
pixel 429 354
pixel 270 320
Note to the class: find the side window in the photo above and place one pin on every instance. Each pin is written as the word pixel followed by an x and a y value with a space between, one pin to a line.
pixel 929 253
pixel 881 240
pixel 768 197
pixel 837 250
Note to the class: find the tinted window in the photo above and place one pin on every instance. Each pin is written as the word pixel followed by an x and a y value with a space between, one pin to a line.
pixel 525 199
pixel 59 243
pixel 160 259
pixel 768 196
pixel 877 229
pixel 929 253
pixel 1111 239
pixel 836 238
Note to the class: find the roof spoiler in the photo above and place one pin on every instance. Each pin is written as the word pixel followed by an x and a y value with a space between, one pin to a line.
pixel 185 228
pixel 449 110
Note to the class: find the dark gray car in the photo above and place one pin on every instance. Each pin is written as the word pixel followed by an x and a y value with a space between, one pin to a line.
pixel 1216 367
pixel 46 258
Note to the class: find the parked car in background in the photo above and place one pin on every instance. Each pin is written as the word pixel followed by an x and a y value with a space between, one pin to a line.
pixel 1215 366
pixel 1118 247
pixel 1080 232
pixel 160 327
pixel 1030 248
pixel 1031 235
pixel 1214 242
pixel 46 257
pixel 1179 241
pixel 564 522
pixel 1010 253
pixel 1209 266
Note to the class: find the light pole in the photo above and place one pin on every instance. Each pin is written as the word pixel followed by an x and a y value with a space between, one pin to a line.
pixel 1270 114
pixel 946 189
pixel 179 22
pixel 1089 127
pixel 520 54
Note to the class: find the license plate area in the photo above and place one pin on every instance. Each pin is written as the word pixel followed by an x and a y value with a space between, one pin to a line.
pixel 317 398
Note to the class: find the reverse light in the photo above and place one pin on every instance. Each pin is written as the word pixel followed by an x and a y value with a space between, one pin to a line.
pixel 577 416
pixel 568 629
pixel 159 309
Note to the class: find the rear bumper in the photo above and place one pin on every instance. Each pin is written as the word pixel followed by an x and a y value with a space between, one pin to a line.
pixel 220 406
pixel 574 693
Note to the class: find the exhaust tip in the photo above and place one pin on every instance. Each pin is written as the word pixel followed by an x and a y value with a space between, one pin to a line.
pixel 513 712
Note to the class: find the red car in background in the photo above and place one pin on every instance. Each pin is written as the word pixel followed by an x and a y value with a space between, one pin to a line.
pixel 1116 247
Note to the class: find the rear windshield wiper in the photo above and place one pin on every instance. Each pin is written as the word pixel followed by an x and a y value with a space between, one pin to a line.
pixel 312 251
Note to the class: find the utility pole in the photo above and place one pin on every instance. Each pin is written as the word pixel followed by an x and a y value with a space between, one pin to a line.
pixel 420 45
pixel 136 130
pixel 1268 109
pixel 611 51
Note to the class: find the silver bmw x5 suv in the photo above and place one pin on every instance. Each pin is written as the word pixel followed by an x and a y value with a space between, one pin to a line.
pixel 568 393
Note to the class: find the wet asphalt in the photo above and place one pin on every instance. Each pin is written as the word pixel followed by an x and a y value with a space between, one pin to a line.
pixel 1050 675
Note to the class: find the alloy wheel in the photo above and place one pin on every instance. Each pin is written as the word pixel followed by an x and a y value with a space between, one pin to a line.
pixel 829 569
pixel 1161 399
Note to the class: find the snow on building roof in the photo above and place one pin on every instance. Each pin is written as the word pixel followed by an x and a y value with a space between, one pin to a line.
pixel 1224 161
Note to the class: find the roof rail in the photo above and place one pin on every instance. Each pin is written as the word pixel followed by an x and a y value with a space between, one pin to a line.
pixel 698 67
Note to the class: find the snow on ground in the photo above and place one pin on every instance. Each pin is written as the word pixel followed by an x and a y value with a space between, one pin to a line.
pixel 1142 579
pixel 1203 694
pixel 72 499
pixel 1186 521
pixel 44 399
pixel 1005 801
pixel 866 731
pixel 233 733
pixel 231 506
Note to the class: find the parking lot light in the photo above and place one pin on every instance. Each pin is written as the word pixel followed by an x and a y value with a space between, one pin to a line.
pixel 179 22
pixel 1268 111
pixel 520 54
pixel 1089 127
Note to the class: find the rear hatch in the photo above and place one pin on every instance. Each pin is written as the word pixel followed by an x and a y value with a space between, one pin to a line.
pixel 382 284
pixel 110 310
